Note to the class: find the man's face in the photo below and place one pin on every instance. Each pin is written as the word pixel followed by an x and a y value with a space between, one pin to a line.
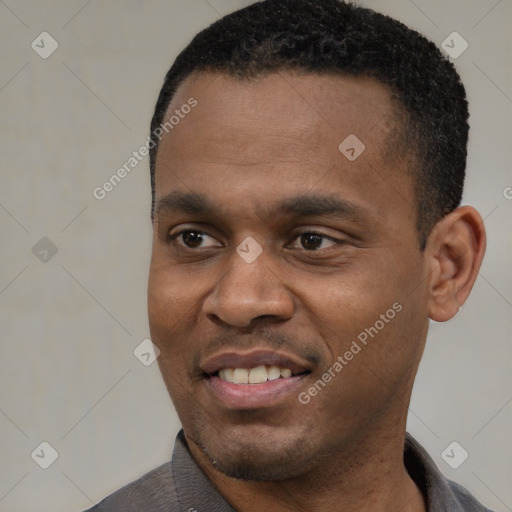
pixel 273 249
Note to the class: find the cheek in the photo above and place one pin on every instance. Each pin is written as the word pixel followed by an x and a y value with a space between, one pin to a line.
pixel 171 292
pixel 169 312
pixel 169 322
pixel 345 303
pixel 176 321
pixel 366 318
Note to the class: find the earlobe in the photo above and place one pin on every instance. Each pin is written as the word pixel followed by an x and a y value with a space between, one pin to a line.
pixel 455 250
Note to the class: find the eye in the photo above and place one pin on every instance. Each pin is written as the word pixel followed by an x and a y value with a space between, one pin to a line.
pixel 313 241
pixel 193 239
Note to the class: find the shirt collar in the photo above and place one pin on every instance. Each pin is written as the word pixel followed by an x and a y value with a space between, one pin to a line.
pixel 196 492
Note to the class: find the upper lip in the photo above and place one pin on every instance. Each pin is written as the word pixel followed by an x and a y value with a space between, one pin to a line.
pixel 253 358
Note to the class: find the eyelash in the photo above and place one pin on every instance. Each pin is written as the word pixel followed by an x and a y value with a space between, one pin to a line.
pixel 175 236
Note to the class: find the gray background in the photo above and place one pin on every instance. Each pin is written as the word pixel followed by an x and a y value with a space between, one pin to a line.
pixel 68 375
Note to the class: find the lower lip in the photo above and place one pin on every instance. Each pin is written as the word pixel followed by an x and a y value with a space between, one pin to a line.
pixel 253 396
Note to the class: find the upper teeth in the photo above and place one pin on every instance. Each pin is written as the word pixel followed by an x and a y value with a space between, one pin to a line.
pixel 253 375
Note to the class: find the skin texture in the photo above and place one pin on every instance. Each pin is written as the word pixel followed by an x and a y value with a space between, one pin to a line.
pixel 246 147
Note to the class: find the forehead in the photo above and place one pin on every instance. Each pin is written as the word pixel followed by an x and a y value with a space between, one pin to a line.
pixel 282 113
pixel 282 132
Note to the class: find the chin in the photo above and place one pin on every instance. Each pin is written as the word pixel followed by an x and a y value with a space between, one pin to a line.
pixel 254 464
pixel 258 457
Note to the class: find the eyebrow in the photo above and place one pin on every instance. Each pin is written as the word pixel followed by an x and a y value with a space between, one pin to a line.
pixel 319 205
pixel 305 205
pixel 183 202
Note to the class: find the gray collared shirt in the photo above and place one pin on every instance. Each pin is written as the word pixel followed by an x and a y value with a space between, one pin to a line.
pixel 181 486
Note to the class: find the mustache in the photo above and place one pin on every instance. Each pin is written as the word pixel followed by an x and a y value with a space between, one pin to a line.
pixel 265 338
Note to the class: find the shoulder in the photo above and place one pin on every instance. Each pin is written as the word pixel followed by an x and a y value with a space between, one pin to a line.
pixel 176 486
pixel 441 494
pixel 466 501
pixel 153 491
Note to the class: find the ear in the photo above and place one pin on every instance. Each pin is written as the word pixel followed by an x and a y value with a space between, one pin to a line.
pixel 454 252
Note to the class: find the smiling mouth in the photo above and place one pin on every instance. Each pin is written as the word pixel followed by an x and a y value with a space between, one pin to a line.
pixel 256 379
pixel 257 388
pixel 255 375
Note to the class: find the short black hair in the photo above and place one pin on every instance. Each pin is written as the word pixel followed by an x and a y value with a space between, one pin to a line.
pixel 337 37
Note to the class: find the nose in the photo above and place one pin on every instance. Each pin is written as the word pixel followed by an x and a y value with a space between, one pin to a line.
pixel 248 291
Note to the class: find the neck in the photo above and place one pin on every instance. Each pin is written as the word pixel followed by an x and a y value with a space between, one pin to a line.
pixel 369 476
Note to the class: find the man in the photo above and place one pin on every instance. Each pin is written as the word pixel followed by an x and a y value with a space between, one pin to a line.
pixel 307 169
